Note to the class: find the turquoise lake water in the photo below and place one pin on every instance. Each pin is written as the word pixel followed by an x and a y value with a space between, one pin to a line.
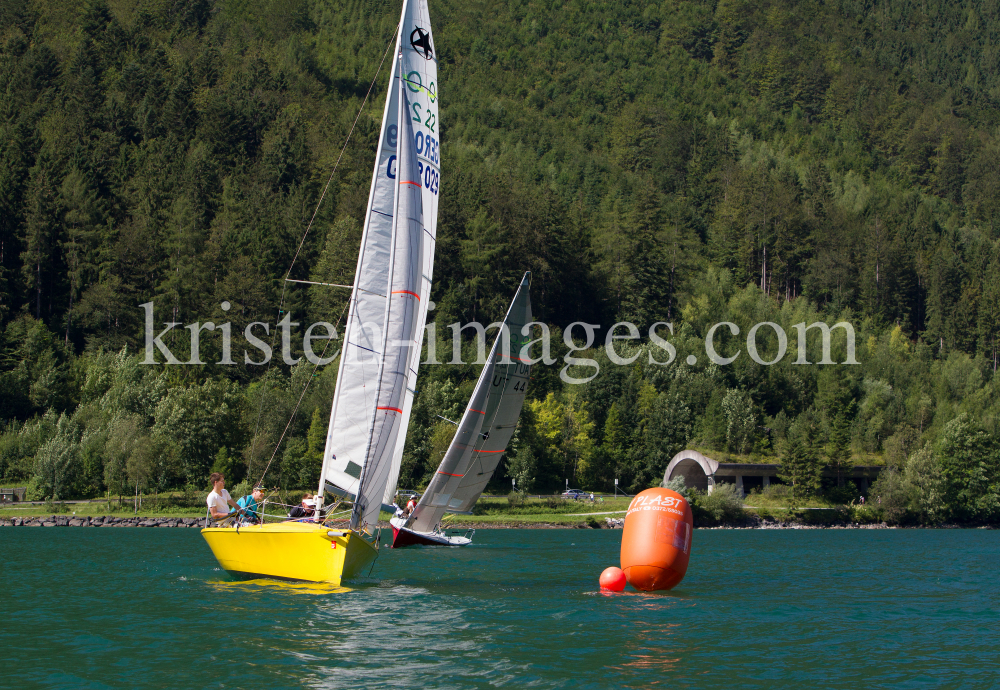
pixel 127 608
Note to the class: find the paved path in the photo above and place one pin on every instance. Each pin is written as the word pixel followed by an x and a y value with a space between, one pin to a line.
pixel 28 505
pixel 610 512
pixel 786 508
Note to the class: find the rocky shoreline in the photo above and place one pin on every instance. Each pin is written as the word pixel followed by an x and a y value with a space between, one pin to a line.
pixel 99 521
pixel 754 522
pixel 795 525
pixel 112 521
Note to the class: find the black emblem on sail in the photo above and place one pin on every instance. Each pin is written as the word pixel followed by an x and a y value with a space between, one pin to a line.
pixel 421 42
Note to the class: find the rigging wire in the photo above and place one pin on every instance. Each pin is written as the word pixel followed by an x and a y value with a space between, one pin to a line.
pixel 302 395
pixel 344 148
pixel 284 288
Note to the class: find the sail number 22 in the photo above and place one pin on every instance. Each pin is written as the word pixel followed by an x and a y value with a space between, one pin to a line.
pixel 429 122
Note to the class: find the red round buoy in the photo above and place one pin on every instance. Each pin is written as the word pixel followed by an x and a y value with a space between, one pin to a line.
pixel 613 579
pixel 656 540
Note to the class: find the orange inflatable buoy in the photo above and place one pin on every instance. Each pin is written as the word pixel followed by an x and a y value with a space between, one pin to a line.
pixel 613 579
pixel 656 540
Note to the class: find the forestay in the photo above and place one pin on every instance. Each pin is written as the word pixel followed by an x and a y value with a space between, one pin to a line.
pixel 486 426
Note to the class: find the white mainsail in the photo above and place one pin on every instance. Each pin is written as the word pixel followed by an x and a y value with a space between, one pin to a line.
pixel 384 331
pixel 400 337
pixel 486 426
pixel 419 70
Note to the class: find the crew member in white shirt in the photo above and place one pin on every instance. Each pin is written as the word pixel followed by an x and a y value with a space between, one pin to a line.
pixel 219 500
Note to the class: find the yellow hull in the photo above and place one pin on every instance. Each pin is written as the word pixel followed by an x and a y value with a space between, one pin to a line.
pixel 301 551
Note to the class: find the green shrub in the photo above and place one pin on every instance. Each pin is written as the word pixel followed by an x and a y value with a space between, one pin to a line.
pixel 241 489
pixel 55 506
pixel 724 504
pixel 678 485
pixel 844 494
pixel 777 491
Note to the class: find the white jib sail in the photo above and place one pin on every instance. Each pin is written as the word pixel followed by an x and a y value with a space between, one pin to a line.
pixel 419 71
pixel 401 330
pixel 486 426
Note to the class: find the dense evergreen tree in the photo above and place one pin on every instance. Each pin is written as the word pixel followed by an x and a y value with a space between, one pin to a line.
pixel 800 467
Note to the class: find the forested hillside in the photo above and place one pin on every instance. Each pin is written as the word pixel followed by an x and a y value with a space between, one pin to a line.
pixel 687 162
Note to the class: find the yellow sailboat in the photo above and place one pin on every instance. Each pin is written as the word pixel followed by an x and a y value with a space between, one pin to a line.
pixel 382 340
pixel 291 551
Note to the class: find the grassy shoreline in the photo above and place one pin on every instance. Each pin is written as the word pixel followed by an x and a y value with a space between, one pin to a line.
pixel 492 512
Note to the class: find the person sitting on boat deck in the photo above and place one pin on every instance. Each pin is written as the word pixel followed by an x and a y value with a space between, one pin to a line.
pixel 251 506
pixel 219 499
pixel 304 509
pixel 411 506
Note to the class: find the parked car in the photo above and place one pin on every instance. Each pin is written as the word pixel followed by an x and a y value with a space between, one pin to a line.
pixel 575 494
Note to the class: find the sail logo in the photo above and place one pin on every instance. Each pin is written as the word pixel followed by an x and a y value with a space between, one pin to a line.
pixel 659 501
pixel 431 177
pixel 415 84
pixel 516 341
pixel 428 147
pixel 420 40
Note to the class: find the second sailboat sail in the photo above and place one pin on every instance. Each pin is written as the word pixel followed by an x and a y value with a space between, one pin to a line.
pixel 384 331
pixel 482 436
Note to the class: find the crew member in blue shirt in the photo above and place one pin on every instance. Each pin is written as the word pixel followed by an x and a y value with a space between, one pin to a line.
pixel 251 506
